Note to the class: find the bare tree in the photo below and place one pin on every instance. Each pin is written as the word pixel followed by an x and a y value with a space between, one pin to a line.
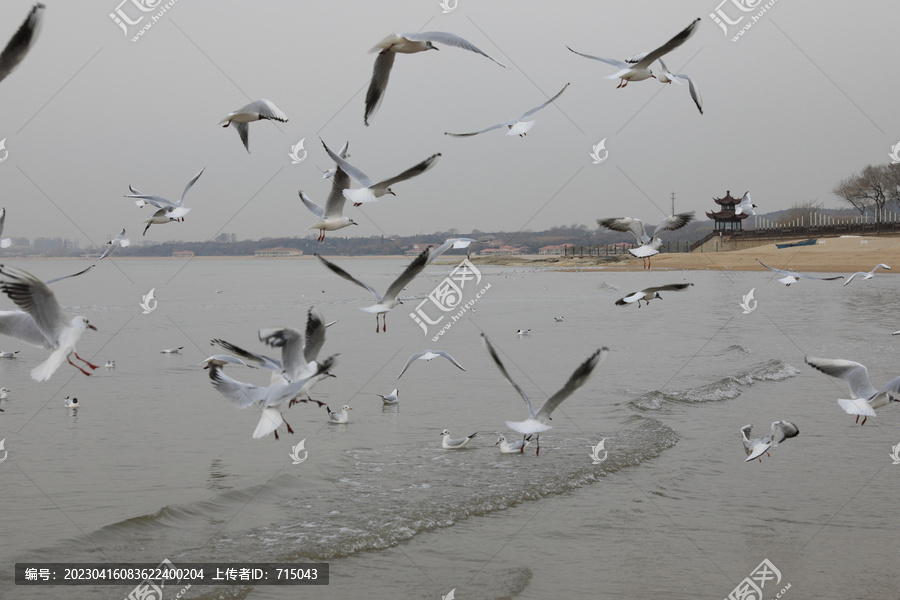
pixel 848 190
pixel 801 210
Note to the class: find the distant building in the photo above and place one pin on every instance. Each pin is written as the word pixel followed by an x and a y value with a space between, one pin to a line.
pixel 554 250
pixel 278 253
pixel 502 251
pixel 725 218
pixel 183 254
pixel 416 250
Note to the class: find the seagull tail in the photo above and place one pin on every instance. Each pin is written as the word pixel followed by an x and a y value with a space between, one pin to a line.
pixel 360 195
pixel 269 421
pixel 46 369
pixel 527 427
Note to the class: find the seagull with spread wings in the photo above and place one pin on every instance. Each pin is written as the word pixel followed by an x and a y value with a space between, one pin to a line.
pixel 868 275
pixel 120 240
pixel 651 293
pixel 795 276
pixel 167 211
pixel 258 110
pixel 649 246
pixel 427 355
pixel 518 126
pixel 864 397
pixel 781 430
pixel 331 216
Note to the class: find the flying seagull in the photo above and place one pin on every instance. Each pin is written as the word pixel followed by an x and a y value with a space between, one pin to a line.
pixel 666 76
pixel 517 126
pixel 539 420
pixel 408 43
pixel 331 216
pixel 41 322
pixel 167 211
pixel 255 111
pixel 21 41
pixel 795 276
pixel 384 303
pixel 641 69
pixel 4 242
pixel 746 206
pixel 120 240
pixel 372 190
pixel 649 246
pixel 864 397
pixel 428 355
pixel 868 275
pixel 651 293
pixel 781 430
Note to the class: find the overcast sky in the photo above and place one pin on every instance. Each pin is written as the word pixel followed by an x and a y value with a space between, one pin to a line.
pixel 806 96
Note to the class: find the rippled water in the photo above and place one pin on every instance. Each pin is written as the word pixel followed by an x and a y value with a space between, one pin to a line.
pixel 156 464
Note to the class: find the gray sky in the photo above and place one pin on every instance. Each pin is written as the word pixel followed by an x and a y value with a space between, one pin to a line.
pixel 805 97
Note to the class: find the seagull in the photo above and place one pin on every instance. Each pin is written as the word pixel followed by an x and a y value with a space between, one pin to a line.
pixel 651 293
pixel 4 242
pixel 172 350
pixel 521 332
pixel 73 403
pixel 559 319
pixel 781 430
pixel 517 126
pixel 389 399
pixel 120 240
pixel 428 355
pixel 649 246
pixel 41 322
pixel 666 76
pixel 110 364
pixel 515 447
pixel 4 393
pixel 330 216
pixel 864 398
pixel 167 210
pixel 338 418
pixel 372 190
pixel 389 300
pixel 746 206
pixel 9 354
pixel 538 422
pixel 456 444
pixel 641 69
pixel 255 111
pixel 408 43
pixel 868 275
pixel 269 398
pixel 795 276
pixel 21 41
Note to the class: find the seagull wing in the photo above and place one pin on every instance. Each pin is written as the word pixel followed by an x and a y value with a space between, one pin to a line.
pixel 450 358
pixel 82 272
pixel 537 108
pixel 266 110
pixel 451 243
pixel 782 430
pixel 496 357
pixel 348 276
pixel 631 298
pixel 380 75
pixel 21 41
pixel 157 201
pixel 414 268
pixel 634 226
pixel 853 373
pixel 312 206
pixel 610 61
pixel 672 287
pixel 263 361
pixel 758 450
pixel 849 279
pixel 674 222
pixel 692 88
pixel 21 325
pixel 34 297
pixel 190 185
pixel 412 171
pixel 238 393
pixel 340 181
pixel 315 335
pixel 673 43
pixel 491 128
pixel 442 37
pixel 578 378
pixel 892 388
pixel 352 171
pixel 291 343
pixel 243 130
pixel 412 358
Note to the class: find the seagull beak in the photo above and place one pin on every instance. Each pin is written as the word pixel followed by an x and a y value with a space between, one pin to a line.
pixel 331 374
pixel 391 192
pixel 91 327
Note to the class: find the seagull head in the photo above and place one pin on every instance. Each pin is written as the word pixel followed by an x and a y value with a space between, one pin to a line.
pixel 83 322
pixel 352 222
pixel 499 441
pixel 446 432
pixel 430 46
pixel 389 190
pixel 656 295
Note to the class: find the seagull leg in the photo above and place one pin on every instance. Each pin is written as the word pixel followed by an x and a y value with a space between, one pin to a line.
pixel 291 431
pixel 276 434
pixel 864 419
pixel 68 358
pixel 384 322
pixel 857 418
pixel 85 362
pixel 538 441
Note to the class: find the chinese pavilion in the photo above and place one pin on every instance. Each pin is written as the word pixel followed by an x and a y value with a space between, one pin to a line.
pixel 725 218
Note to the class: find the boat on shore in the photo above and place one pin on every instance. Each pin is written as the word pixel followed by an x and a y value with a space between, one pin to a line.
pixel 809 242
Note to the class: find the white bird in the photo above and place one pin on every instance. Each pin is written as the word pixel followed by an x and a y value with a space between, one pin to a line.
pixel 167 211
pixel 559 319
pixel 4 242
pixel 666 76
pixel 795 276
pixel 429 355
pixel 454 243
pixel 868 275
pixel 641 69
pixel 523 332
pixel 515 447
pixel 649 246
pixel 386 302
pixel 408 43
pixel 344 152
pixel 110 364
pixel 172 350
pixel 41 322
pixel 330 216
pixel 781 430
pixel 9 354
pixel 517 126
pixel 746 206
pixel 864 397
pixel 456 444
pixel 371 190
pixel 71 403
pixel 651 293
pixel 255 111
pixel 539 419
pixel 269 398
pixel 338 418
pixel 389 399
pixel 4 393
pixel 21 41
pixel 120 240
